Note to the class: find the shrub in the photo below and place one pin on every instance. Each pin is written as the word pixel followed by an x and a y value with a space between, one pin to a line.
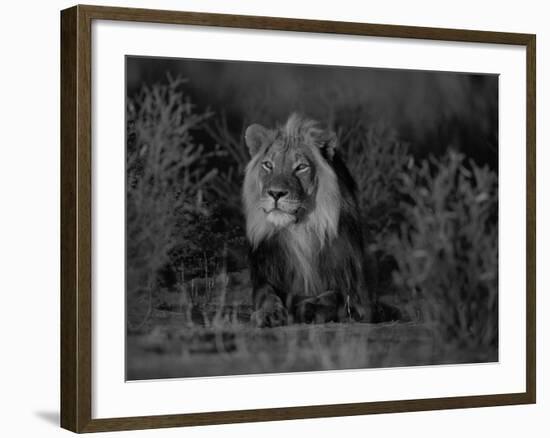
pixel 231 148
pixel 447 248
pixel 376 159
pixel 166 174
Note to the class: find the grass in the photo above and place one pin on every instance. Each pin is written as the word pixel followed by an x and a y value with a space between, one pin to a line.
pixel 200 329
pixel 173 345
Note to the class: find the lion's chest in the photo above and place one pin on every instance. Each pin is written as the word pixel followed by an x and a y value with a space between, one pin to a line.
pixel 301 252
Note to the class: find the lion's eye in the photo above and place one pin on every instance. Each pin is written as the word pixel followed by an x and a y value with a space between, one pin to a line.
pixel 301 167
pixel 267 165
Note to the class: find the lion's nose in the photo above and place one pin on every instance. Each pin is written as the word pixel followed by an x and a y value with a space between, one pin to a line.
pixel 277 194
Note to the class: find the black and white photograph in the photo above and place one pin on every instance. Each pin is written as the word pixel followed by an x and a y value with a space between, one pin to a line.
pixel 289 218
pixel 275 219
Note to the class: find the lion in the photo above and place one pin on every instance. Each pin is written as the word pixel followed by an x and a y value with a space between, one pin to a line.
pixel 303 226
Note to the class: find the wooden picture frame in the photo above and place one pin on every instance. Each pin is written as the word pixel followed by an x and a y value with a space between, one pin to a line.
pixel 76 217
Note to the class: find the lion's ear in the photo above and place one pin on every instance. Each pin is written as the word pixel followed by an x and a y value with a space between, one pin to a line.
pixel 329 144
pixel 255 137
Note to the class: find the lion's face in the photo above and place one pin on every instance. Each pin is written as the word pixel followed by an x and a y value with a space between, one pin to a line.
pixel 287 182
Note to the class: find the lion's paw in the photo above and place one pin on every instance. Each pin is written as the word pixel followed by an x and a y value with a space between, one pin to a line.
pixel 272 314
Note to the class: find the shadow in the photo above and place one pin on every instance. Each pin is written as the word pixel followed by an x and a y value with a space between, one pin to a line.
pixel 51 417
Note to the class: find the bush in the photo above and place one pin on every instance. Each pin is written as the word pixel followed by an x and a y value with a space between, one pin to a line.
pixel 447 248
pixel 376 159
pixel 166 176
pixel 232 150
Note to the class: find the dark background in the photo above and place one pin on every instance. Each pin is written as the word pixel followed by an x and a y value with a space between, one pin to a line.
pixel 432 111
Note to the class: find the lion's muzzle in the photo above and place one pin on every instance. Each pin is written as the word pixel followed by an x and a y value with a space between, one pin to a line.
pixel 280 210
pixel 277 194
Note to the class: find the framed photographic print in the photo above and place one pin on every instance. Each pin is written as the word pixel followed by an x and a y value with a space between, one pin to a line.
pixel 282 208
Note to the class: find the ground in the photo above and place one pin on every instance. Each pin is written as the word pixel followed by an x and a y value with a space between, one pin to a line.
pixel 194 331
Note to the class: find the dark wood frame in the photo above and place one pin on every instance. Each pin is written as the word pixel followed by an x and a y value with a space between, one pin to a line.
pixel 76 174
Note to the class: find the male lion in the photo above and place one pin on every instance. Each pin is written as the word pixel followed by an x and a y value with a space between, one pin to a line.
pixel 303 226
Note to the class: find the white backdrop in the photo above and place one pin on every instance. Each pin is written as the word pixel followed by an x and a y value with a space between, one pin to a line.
pixel 29 235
